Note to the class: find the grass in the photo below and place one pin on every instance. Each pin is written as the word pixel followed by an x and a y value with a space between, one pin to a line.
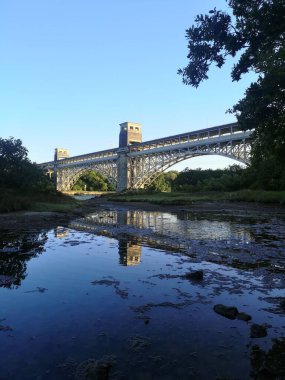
pixel 12 200
pixel 177 198
pixel 55 207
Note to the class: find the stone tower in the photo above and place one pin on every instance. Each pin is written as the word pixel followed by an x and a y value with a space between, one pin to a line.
pixel 60 153
pixel 130 133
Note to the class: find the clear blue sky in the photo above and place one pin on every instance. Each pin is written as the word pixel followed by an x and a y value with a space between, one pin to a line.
pixel 72 70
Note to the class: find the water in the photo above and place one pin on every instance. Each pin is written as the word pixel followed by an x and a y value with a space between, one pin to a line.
pixel 111 289
pixel 83 197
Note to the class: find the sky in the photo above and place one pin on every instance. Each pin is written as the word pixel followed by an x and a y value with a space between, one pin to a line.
pixel 72 70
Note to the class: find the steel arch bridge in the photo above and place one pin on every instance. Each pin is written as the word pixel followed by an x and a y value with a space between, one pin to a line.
pixel 136 164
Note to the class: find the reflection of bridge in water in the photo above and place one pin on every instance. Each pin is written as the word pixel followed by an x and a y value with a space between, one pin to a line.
pixel 60 232
pixel 176 232
pixel 166 224
pixel 136 164
pixel 129 250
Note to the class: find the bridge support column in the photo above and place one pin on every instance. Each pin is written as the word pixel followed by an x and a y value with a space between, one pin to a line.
pixel 55 176
pixel 122 171
pixel 60 179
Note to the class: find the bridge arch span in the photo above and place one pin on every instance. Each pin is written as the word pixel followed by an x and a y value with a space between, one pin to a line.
pixel 67 177
pixel 158 164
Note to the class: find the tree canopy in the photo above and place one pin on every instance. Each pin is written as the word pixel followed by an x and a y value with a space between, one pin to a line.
pixel 16 170
pixel 93 181
pixel 255 35
pixel 164 181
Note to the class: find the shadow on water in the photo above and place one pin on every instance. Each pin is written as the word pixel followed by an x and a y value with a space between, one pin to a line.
pixel 15 252
pixel 271 364
pixel 112 297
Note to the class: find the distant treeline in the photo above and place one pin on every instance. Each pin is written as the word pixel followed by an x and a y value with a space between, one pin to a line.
pixel 232 178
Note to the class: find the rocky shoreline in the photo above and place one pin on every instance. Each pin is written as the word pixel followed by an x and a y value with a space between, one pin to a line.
pixel 24 220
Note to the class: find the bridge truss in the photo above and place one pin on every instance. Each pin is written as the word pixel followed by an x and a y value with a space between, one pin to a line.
pixel 136 166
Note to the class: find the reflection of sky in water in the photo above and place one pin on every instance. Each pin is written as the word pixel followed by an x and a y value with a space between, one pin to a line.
pixel 59 316
pixel 83 197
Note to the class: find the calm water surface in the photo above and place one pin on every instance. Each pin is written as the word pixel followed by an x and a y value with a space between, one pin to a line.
pixel 111 289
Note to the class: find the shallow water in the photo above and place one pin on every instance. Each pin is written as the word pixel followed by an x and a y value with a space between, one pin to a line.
pixel 83 197
pixel 111 288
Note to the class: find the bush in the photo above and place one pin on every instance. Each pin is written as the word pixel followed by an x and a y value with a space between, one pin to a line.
pixel 11 202
pixel 17 171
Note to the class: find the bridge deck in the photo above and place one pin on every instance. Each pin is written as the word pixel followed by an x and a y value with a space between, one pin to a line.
pixel 108 153
pixel 218 133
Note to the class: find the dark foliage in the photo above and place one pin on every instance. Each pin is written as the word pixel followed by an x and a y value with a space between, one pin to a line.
pixel 256 31
pixel 192 180
pixel 16 170
pixel 93 181
pixel 230 179
pixel 164 181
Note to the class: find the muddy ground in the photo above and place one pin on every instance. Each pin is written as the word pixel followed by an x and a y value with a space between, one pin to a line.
pixel 22 220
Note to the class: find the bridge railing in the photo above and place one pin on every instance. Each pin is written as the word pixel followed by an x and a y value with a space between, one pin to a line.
pixel 205 134
pixel 83 158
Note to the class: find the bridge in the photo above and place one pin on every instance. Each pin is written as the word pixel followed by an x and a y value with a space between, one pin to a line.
pixel 136 164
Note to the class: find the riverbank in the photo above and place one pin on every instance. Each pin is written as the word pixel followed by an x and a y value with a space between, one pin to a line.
pixel 19 212
pixel 12 200
pixel 178 198
pixel 47 213
pixel 82 192
pixel 41 211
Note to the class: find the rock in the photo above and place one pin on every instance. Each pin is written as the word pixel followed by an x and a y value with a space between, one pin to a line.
pixel 103 371
pixel 266 374
pixel 229 312
pixel 122 293
pixel 138 343
pixel 39 289
pixel 258 331
pixel 92 369
pixel 282 304
pixel 5 328
pixel 244 317
pixel 106 282
pixel 197 275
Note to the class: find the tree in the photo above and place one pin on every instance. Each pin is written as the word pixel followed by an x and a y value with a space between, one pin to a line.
pixel 16 170
pixel 92 181
pixel 229 179
pixel 164 181
pixel 256 31
pixel 160 184
pixel 12 151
